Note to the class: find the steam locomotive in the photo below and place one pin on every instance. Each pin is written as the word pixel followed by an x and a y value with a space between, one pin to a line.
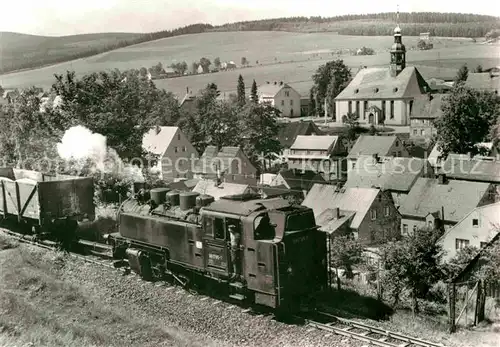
pixel 279 260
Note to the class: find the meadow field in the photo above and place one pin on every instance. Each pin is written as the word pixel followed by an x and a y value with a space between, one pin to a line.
pixel 281 56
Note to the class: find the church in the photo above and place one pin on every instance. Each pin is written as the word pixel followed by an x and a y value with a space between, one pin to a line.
pixel 383 95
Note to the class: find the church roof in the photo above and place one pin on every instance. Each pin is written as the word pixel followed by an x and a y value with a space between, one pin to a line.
pixel 377 83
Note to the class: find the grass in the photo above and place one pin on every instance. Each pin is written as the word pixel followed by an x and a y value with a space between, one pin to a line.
pixel 284 56
pixel 36 307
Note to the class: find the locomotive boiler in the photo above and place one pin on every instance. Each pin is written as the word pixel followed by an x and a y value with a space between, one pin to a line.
pixel 278 258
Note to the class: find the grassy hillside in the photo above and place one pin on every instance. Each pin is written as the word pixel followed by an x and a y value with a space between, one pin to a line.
pixel 21 51
pixel 26 51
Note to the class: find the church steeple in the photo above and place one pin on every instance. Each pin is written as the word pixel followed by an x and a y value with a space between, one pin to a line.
pixel 398 51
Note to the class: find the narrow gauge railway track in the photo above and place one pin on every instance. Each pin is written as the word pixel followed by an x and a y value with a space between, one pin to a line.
pixel 99 255
pixel 374 336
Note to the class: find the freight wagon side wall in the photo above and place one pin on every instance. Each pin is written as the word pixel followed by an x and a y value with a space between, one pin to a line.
pixel 7 172
pixel 72 197
pixel 18 197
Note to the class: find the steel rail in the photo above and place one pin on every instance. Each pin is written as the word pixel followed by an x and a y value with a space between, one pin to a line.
pixel 405 341
pixel 377 330
pixel 52 246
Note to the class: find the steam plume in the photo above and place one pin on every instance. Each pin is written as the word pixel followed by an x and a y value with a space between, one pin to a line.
pixel 82 145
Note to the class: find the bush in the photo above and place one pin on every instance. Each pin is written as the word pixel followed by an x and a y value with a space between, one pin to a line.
pixel 438 293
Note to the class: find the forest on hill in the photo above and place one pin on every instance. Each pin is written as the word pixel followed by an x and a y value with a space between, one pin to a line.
pixel 40 51
pixel 379 24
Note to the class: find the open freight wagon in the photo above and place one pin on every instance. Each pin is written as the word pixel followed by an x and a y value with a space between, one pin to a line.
pixel 41 200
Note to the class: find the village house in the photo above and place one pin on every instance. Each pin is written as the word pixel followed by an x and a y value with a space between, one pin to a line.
pixel 441 203
pixel 378 146
pixel 391 174
pixel 175 154
pixel 281 96
pixel 229 164
pixel 484 81
pixel 383 95
pixel 219 190
pixel 268 192
pixel 476 229
pixel 324 154
pixel 477 169
pixel 426 109
pixel 288 132
pixel 373 219
pixel 436 157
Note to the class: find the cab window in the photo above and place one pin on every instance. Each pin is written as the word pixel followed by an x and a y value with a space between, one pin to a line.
pixel 263 229
pixel 218 227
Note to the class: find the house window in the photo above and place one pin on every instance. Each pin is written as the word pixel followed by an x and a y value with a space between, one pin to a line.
pixel 349 107
pixel 399 153
pixel 414 228
pixel 179 137
pixel 383 107
pixel 461 243
pixel 392 109
pixel 374 214
pixel 184 148
pixel 287 94
pixel 475 222
pixel 430 224
pixel 415 132
pixel 282 102
pixel 387 211
pixel 353 164
pixel 291 102
pixel 365 106
pixel 405 229
pixel 357 108
pixel 175 149
pixel 422 132
pixel 411 105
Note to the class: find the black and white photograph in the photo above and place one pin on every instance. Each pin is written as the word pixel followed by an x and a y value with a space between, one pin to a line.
pixel 284 173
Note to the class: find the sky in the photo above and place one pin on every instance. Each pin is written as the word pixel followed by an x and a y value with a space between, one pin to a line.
pixel 70 17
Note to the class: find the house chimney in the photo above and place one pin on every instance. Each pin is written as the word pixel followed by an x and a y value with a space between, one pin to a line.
pixel 158 129
pixel 336 213
pixel 442 178
pixel 375 157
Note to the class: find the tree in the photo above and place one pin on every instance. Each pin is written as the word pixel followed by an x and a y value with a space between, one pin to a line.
pixel 413 264
pixel 1 92
pixel 260 131
pixel 253 93
pixel 312 102
pixel 205 64
pixel 194 67
pixel 119 105
pixel 157 69
pixel 345 253
pixel 462 74
pixel 460 260
pixel 241 91
pixel 479 68
pixel 467 119
pixel 180 67
pixel 331 77
pixel 244 61
pixel 353 128
pixel 217 63
pixel 25 131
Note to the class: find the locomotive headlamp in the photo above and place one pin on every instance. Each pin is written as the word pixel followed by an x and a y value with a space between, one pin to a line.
pixel 289 270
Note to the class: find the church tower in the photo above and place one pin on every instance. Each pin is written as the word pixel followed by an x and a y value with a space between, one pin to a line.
pixel 398 52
